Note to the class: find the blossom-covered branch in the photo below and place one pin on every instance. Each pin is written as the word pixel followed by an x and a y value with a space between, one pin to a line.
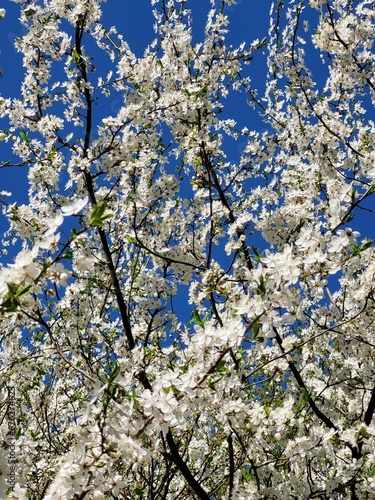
pixel 186 303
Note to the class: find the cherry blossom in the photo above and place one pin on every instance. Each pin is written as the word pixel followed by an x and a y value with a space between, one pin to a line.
pixel 186 303
pixel 75 207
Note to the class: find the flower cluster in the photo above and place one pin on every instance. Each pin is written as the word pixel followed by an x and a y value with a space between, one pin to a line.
pixel 188 310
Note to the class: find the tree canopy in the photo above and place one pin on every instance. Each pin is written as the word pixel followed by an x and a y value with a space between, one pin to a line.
pixel 187 303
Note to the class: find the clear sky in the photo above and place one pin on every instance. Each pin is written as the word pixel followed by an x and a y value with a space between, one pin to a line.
pixel 249 20
pixel 134 19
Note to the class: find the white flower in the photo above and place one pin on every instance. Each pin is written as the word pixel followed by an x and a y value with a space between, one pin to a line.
pixel 2 13
pixel 58 274
pixel 50 240
pixel 25 269
pixel 75 208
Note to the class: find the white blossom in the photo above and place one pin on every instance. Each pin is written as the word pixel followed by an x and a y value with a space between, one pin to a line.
pixel 187 300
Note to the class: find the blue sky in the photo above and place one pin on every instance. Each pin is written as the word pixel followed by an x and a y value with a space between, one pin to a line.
pixel 134 19
pixel 249 20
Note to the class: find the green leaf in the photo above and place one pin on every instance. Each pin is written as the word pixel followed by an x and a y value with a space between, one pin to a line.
pixel 262 43
pixel 29 13
pixel 114 373
pixel 25 137
pixel 14 217
pixel 257 256
pixel 39 336
pixel 357 249
pixel 211 384
pixel 246 476
pixel 195 318
pixel 255 331
pixel 34 435
pixel 221 368
pixel 75 56
pixel 11 302
pixel 139 490
pixel 366 243
pixel 363 433
pixel 22 291
pixel 203 91
pixel 261 288
pixel 97 216
pixel 51 153
pixel 335 439
pixel 305 395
